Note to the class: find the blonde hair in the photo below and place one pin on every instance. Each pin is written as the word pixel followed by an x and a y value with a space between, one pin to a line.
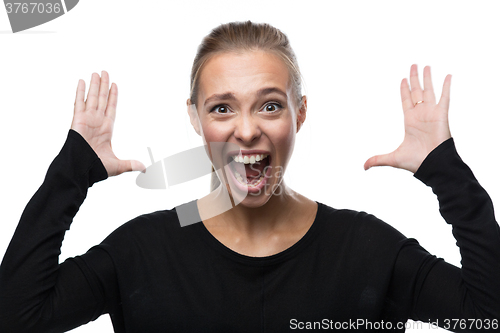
pixel 245 36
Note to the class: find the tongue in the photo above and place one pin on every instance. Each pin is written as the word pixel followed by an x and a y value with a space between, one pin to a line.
pixel 254 170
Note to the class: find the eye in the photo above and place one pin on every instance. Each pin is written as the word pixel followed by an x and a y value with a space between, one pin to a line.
pixel 272 107
pixel 220 109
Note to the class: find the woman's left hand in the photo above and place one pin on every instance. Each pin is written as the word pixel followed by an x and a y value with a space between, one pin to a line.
pixel 426 123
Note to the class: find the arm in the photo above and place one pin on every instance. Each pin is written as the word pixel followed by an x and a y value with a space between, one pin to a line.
pixel 441 291
pixel 36 293
pixel 472 292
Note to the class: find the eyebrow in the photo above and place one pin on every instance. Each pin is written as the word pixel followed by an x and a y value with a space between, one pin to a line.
pixel 230 96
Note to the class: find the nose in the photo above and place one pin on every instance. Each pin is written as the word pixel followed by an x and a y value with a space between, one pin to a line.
pixel 247 129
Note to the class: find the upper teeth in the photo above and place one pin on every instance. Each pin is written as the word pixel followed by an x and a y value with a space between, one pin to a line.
pixel 249 158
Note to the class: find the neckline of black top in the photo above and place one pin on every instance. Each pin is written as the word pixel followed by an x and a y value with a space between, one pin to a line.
pixel 267 260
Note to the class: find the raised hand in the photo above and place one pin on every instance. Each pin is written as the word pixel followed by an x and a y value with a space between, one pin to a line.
pixel 426 123
pixel 93 119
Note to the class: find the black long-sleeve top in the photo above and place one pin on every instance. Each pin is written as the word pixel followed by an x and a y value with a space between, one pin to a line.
pixel 152 275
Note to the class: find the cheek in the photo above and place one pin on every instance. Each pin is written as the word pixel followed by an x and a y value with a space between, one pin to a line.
pixel 215 131
pixel 282 136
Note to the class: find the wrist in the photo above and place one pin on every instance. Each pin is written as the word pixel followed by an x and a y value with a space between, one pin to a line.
pixel 432 160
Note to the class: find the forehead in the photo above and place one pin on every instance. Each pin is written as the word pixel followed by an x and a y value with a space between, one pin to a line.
pixel 243 73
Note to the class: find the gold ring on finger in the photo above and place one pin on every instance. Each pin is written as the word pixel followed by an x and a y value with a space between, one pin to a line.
pixel 418 103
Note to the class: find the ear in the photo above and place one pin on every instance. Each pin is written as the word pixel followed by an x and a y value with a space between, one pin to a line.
pixel 193 116
pixel 301 114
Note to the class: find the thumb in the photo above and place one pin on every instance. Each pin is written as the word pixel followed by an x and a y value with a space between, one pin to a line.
pixel 129 165
pixel 380 160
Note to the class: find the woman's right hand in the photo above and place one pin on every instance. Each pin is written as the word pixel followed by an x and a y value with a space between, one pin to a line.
pixel 93 119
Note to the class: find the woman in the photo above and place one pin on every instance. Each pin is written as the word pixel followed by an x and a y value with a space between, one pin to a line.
pixel 276 261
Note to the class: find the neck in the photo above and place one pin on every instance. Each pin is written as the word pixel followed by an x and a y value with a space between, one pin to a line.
pixel 258 231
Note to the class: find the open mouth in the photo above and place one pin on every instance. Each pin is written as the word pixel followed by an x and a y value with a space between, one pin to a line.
pixel 250 170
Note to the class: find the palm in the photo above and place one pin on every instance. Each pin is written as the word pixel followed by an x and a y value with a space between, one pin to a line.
pixel 426 124
pixel 93 120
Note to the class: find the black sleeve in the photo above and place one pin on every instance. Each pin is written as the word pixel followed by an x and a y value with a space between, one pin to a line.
pixel 36 293
pixel 458 299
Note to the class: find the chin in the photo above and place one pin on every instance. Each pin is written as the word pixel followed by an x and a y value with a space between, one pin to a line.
pixel 252 201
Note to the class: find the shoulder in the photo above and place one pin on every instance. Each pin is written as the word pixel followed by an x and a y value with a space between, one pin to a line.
pixel 150 222
pixel 140 247
pixel 358 228
pixel 157 228
pixel 353 219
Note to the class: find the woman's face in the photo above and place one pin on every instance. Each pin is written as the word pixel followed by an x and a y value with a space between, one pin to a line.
pixel 246 101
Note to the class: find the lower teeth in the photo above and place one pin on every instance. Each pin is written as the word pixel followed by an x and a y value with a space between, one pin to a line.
pixel 245 181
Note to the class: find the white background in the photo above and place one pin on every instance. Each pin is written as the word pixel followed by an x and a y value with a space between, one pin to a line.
pixel 353 55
